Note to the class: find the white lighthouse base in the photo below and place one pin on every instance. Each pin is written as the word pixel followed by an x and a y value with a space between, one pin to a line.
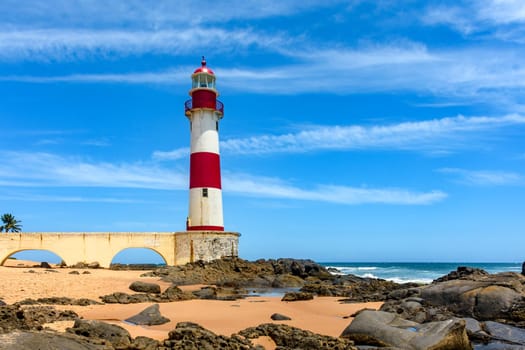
pixel 206 245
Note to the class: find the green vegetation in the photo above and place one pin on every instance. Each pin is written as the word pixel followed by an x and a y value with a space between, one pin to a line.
pixel 10 224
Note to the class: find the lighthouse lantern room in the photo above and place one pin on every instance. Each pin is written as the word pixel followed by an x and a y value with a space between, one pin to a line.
pixel 204 112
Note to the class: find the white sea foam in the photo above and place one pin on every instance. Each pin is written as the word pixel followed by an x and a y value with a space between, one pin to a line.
pixel 369 275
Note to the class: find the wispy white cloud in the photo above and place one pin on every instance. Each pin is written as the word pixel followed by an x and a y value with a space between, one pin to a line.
pixel 179 153
pixel 495 18
pixel 160 13
pixel 473 75
pixel 75 44
pixel 436 135
pixel 273 188
pixel 485 177
pixel 45 170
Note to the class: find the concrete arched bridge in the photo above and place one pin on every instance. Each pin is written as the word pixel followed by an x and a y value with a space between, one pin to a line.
pixel 176 248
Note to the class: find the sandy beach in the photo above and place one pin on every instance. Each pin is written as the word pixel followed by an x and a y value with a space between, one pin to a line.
pixel 323 315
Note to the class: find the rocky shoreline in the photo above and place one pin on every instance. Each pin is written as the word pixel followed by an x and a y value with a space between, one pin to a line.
pixel 466 309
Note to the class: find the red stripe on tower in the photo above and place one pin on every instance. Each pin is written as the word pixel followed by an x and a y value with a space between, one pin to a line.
pixel 205 170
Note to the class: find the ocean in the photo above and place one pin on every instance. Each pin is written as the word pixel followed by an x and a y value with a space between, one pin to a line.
pixel 413 272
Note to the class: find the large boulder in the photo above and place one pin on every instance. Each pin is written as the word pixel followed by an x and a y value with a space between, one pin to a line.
pixel 378 328
pixel 484 299
pixel 150 316
pixel 144 287
pixel 117 336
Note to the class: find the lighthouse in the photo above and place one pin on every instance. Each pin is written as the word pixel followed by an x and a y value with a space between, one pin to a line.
pixel 204 112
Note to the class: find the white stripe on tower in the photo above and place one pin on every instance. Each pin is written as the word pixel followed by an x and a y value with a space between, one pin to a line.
pixel 204 113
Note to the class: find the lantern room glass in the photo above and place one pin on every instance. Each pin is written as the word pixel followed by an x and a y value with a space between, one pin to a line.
pixel 203 81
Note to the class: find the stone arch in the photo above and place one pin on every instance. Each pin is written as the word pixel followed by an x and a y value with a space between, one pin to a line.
pixel 156 252
pixel 8 255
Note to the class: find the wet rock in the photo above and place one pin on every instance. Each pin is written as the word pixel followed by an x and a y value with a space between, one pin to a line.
pixel 280 317
pixel 150 316
pixel 377 328
pixel 505 333
pixel 287 337
pixel 2 303
pixel 188 335
pixel 117 336
pixel 297 296
pixel 523 268
pixel 144 287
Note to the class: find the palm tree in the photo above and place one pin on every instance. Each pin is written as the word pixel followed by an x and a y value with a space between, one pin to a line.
pixel 10 223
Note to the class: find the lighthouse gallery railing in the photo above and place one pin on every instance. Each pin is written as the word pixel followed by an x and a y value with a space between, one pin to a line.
pixel 219 106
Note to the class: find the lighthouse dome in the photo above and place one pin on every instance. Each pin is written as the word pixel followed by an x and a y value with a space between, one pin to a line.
pixel 203 68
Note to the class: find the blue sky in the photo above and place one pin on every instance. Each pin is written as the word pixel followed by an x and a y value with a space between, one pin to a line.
pixel 353 130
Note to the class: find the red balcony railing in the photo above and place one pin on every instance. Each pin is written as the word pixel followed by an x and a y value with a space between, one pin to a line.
pixel 219 106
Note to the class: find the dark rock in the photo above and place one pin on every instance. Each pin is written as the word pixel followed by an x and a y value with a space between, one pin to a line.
pixel 117 336
pixel 235 272
pixel 287 337
pixel 174 293
pixel 45 265
pixel 463 272
pixel 13 317
pixel 287 281
pixel 145 343
pixel 74 272
pixel 206 293
pixel 48 341
pixel 144 287
pixel 280 317
pixel 523 268
pixel 384 329
pixel 150 316
pixel 504 332
pixel 51 270
pixel 79 265
pixel 188 335
pixel 297 296
pixel 93 265
pixel 488 297
pixel 353 288
pixel 59 301
pixel 86 273
pixel 2 303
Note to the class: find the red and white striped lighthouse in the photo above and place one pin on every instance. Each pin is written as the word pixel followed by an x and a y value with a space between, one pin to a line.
pixel 204 112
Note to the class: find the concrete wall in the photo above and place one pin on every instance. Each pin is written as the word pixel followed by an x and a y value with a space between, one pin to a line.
pixel 176 248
